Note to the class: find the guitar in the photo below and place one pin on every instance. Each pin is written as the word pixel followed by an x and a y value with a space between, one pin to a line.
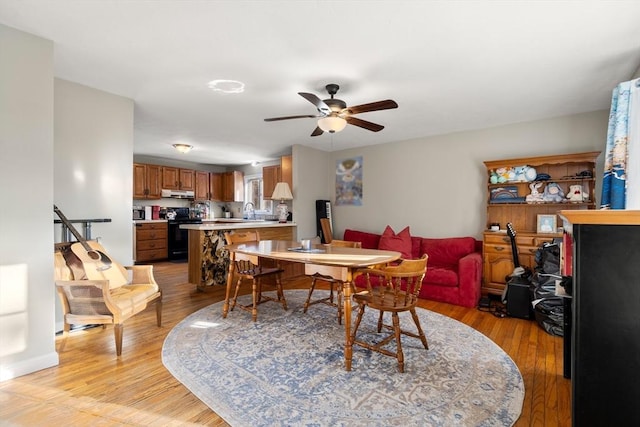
pixel 518 270
pixel 96 263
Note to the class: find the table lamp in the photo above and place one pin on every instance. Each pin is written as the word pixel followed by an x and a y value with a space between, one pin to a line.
pixel 282 192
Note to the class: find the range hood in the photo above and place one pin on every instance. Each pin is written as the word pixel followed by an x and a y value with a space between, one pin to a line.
pixel 178 194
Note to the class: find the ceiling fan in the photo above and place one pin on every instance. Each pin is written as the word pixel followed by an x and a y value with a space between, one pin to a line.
pixel 333 114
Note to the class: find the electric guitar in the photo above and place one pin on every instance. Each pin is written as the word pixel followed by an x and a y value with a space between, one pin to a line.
pixel 97 264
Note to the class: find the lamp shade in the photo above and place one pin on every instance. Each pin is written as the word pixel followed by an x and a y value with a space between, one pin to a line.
pixel 183 148
pixel 332 124
pixel 282 192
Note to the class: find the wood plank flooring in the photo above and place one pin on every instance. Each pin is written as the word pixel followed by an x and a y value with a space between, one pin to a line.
pixel 91 386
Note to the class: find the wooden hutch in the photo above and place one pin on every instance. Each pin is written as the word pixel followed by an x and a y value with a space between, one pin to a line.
pixel 564 170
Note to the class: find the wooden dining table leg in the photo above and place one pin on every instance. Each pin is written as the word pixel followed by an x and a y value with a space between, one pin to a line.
pixel 225 307
pixel 346 301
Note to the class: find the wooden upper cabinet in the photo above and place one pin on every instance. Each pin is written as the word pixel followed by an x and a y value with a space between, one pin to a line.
pixel 270 177
pixel 202 185
pixel 187 179
pixel 146 181
pixel 286 171
pixel 178 179
pixel 170 178
pixel 215 186
pixel 233 186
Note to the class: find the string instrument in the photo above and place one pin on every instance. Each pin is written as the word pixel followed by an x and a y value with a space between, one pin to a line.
pixel 96 263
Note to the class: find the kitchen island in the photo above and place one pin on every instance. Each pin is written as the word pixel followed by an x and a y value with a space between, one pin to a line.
pixel 208 260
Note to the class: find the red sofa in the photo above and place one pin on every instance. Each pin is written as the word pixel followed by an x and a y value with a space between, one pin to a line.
pixel 454 268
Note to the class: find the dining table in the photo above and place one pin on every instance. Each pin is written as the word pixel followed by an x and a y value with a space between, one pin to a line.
pixel 338 262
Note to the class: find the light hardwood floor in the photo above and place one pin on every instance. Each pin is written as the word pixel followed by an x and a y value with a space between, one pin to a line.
pixel 91 386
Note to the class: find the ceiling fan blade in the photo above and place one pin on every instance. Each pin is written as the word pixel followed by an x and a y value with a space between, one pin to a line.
pixel 319 103
pixel 317 131
pixel 374 127
pixel 387 104
pixel 273 119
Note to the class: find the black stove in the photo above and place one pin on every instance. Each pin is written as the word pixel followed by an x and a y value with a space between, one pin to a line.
pixel 178 242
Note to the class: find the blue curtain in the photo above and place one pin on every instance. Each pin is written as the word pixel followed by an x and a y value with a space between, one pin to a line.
pixel 619 182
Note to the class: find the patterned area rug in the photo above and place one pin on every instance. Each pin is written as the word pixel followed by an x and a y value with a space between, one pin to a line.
pixel 287 369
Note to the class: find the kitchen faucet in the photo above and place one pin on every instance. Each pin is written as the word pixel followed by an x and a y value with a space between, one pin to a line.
pixel 249 207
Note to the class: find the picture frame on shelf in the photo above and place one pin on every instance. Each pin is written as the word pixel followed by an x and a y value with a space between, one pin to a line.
pixel 547 223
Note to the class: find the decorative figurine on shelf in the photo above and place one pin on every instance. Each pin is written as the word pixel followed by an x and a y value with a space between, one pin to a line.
pixel 577 193
pixel 535 196
pixel 553 193
pixel 493 179
pixel 503 175
pixel 530 173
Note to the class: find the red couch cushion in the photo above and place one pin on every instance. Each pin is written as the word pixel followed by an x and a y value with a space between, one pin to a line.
pixel 368 240
pixel 401 242
pixel 447 252
pixel 441 276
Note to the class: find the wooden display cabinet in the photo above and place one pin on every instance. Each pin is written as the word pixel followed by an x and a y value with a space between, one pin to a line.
pixel 564 170
pixel 178 179
pixel 233 186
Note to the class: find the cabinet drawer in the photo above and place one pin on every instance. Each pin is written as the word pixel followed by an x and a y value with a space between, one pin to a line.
pixel 151 244
pixel 498 238
pixel 525 240
pixel 150 234
pixel 497 249
pixel 151 255
pixel 151 226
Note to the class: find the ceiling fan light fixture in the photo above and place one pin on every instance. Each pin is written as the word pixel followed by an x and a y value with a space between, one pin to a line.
pixel 332 124
pixel 183 148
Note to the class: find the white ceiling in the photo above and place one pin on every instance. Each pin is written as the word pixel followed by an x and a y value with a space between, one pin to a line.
pixel 450 65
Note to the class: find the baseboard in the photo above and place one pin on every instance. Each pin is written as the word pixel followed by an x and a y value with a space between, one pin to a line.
pixel 24 367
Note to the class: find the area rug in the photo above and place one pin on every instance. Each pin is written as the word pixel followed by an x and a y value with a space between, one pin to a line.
pixel 288 369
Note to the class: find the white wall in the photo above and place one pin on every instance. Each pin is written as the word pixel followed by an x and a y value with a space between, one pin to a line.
pixel 437 185
pixel 310 183
pixel 93 163
pixel 27 293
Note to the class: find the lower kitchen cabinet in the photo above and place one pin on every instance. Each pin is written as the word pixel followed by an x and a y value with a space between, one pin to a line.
pixel 151 241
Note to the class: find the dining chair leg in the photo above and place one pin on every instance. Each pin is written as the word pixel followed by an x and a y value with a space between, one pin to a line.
pixel 281 288
pixel 255 294
pixel 396 329
pixel 421 334
pixel 380 324
pixel 339 303
pixel 235 295
pixel 357 323
pixel 311 288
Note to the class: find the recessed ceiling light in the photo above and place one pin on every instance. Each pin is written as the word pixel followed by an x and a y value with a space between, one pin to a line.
pixel 226 86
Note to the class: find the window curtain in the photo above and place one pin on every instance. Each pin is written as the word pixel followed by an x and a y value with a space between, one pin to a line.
pixel 621 179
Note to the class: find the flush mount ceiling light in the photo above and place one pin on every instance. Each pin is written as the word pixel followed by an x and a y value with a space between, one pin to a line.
pixel 226 86
pixel 183 148
pixel 332 124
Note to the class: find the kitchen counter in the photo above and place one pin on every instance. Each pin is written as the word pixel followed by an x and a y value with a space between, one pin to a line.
pixel 208 258
pixel 231 224
pixel 145 221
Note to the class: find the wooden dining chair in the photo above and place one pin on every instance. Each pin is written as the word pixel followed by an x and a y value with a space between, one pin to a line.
pixel 326 276
pixel 327 233
pixel 248 268
pixel 393 289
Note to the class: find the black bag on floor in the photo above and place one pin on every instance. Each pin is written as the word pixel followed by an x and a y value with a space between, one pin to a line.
pixel 547 307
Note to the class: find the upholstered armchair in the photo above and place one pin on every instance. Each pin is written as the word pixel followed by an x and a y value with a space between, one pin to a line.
pixel 121 294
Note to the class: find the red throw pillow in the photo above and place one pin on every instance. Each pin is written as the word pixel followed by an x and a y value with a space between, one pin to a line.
pixel 401 242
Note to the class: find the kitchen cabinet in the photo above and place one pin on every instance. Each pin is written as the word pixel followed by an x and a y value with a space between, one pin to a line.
pixel 565 171
pixel 146 181
pixel 178 179
pixel 271 175
pixel 215 186
pixel 202 185
pixel 605 316
pixel 233 186
pixel 150 241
